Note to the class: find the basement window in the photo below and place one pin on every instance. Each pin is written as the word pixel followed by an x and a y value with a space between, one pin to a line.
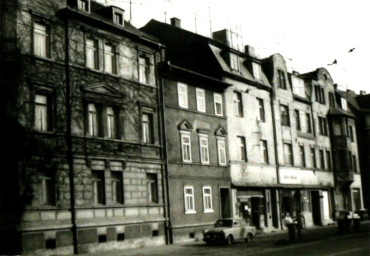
pixel 102 238
pixel 192 235
pixel 50 244
pixel 121 237
pixel 155 233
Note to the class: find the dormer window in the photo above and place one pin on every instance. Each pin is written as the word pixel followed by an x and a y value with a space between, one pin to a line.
pixel 83 5
pixel 256 71
pixel 234 62
pixel 118 18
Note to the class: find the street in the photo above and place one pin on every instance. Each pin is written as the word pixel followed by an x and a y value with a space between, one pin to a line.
pixel 323 241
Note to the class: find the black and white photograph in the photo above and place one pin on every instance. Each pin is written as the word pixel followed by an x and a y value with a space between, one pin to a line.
pixel 178 128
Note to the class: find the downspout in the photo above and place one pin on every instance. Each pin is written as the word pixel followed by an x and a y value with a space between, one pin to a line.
pixel 69 137
pixel 275 151
pixel 163 135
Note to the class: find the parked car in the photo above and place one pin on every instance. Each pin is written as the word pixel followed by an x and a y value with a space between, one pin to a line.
pixel 229 230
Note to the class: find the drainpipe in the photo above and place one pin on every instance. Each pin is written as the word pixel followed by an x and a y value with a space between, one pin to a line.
pixel 275 150
pixel 69 138
pixel 163 135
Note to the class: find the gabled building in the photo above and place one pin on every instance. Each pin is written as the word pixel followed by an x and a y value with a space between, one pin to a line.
pixel 82 148
pixel 196 131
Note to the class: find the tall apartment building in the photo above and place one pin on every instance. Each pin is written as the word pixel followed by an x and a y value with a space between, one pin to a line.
pixel 82 148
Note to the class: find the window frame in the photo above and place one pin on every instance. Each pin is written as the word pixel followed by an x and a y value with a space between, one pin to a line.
pixel 43 123
pixel 217 99
pixel 288 154
pixel 45 52
pixel 242 149
pixel 262 113
pixel 257 71
pixel 297 120
pixel 282 79
pixel 201 100
pixel 147 128
pixel 204 159
pixel 93 120
pixel 182 95
pixel 302 152
pixel 111 121
pixel 322 159
pixel 152 188
pixel 264 151
pixel 313 158
pixel 117 187
pixel 190 210
pixel 112 55
pixel 94 49
pixel 238 103
pixel 185 134
pixel 209 196
pixel 144 69
pixel 219 150
pixel 95 187
pixel 308 123
pixel 47 190
pixel 285 118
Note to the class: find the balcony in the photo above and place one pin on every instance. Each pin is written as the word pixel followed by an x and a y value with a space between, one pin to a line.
pixel 341 142
pixel 344 177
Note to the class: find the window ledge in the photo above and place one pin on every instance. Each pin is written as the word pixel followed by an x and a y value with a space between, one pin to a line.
pixel 208 211
pixel 190 212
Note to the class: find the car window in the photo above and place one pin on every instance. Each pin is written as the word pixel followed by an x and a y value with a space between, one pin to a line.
pixel 224 223
pixel 243 222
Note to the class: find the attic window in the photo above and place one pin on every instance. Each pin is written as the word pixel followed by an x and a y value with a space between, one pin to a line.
pixel 234 62
pixel 118 18
pixel 84 5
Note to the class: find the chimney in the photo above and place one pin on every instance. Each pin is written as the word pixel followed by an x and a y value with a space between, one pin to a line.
pixel 362 92
pixel 176 22
pixel 249 50
pixel 222 36
pixel 295 72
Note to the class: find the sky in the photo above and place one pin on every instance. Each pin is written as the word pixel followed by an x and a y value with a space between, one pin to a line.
pixel 308 33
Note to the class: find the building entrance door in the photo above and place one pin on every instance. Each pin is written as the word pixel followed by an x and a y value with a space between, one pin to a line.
pixel 316 209
pixel 225 202
pixel 274 203
pixel 255 202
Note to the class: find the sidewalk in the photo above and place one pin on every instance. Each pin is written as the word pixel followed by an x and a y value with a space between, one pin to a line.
pixel 261 242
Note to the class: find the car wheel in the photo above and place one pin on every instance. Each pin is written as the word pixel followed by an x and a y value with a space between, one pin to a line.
pixel 229 240
pixel 249 238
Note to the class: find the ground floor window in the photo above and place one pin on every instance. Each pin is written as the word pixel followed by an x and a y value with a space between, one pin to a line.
pixel 356 198
pixel 189 199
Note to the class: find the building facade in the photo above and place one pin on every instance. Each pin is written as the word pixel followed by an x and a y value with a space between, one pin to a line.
pixel 81 96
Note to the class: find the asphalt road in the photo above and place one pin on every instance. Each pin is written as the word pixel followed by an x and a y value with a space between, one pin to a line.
pixel 323 241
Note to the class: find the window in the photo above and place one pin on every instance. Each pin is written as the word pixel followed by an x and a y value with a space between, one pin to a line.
pixel 308 123
pixel 47 190
pixel 313 158
pixel 328 160
pixel 118 18
pixel 110 59
pixel 351 133
pixel 350 163
pixel 186 146
pixel 117 187
pixel 322 159
pixel 201 100
pixel 261 107
pixel 93 127
pixel 83 5
pixel 234 62
pixel 189 199
pixel 343 104
pixel 147 128
pixel 207 199
pixel 288 154
pixel 92 54
pixel 152 187
pixel 297 120
pixel 323 126
pixel 41 112
pixel 265 153
pixel 354 163
pixel 221 148
pixel 284 110
pixel 303 156
pixel 41 40
pixel 319 94
pixel 98 187
pixel 218 104
pixel 256 71
pixel 356 198
pixel 281 79
pixel 182 90
pixel 203 144
pixel 144 70
pixel 242 149
pixel 331 100
pixel 111 124
pixel 238 105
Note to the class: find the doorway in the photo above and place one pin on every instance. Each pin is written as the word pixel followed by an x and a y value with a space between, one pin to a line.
pixel 225 202
pixel 274 203
pixel 316 209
